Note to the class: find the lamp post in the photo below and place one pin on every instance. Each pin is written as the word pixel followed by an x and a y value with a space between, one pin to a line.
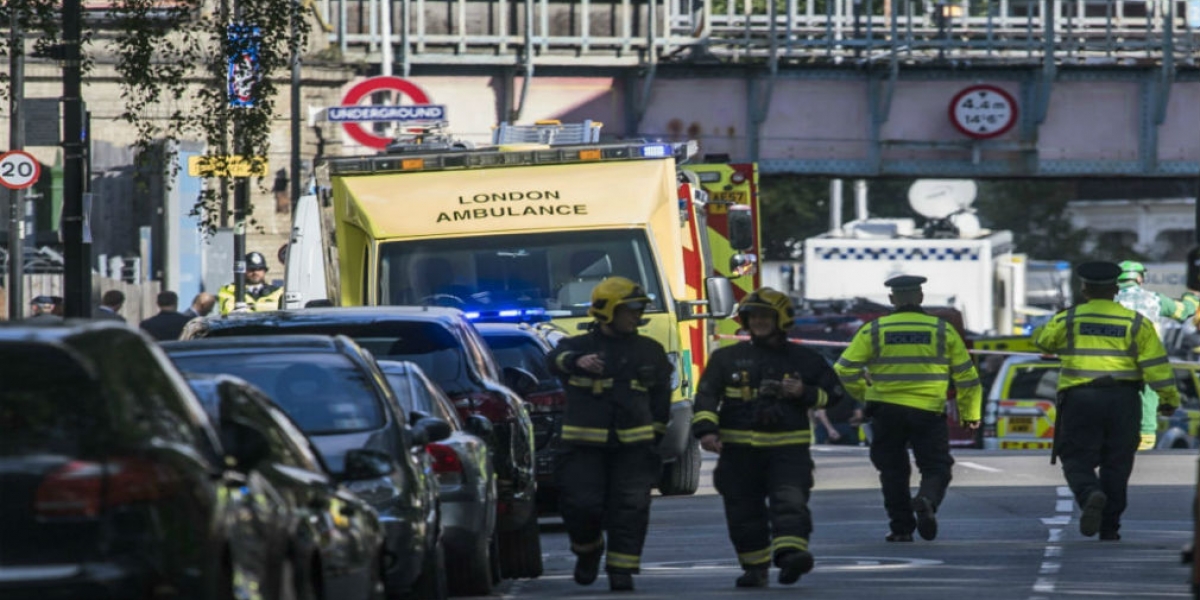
pixel 77 269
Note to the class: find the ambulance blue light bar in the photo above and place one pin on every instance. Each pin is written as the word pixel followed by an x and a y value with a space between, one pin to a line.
pixel 508 315
pixel 657 151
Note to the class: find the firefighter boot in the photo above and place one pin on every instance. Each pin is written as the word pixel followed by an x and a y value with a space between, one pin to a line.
pixel 754 577
pixel 926 521
pixel 794 564
pixel 620 582
pixel 587 563
pixel 1093 512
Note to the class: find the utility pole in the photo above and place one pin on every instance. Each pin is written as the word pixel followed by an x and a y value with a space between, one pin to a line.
pixel 77 276
pixel 295 191
pixel 16 141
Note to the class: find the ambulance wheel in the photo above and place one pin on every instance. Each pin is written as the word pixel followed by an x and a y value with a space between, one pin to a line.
pixel 682 477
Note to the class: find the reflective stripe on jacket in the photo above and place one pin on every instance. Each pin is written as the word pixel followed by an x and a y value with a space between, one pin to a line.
pixel 267 299
pixel 910 358
pixel 1101 338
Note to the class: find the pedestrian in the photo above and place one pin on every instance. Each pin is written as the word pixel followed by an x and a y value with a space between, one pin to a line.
pixel 1108 353
pixel 618 394
pixel 41 310
pixel 1155 307
pixel 901 365
pixel 169 322
pixel 752 408
pixel 110 306
pixel 258 294
pixel 202 304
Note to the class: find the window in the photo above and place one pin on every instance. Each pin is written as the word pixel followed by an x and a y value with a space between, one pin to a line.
pixel 48 403
pixel 1034 383
pixel 521 352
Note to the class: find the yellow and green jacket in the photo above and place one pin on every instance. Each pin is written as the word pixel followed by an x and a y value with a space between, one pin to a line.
pixel 266 298
pixel 629 403
pixel 1101 338
pixel 910 358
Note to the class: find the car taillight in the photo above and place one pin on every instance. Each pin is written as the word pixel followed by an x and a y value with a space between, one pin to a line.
pixel 445 459
pixel 84 488
pixel 489 404
pixel 553 400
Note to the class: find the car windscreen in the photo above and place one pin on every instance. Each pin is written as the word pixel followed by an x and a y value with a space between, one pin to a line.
pixel 322 392
pixel 521 352
pixel 48 402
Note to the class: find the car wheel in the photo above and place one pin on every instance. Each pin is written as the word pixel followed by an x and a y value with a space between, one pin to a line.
pixel 475 579
pixel 431 583
pixel 521 551
pixel 682 477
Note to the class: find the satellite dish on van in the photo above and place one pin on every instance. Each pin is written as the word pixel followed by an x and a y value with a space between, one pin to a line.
pixel 940 198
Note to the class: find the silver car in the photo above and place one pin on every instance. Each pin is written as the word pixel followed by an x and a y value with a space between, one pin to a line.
pixel 466 481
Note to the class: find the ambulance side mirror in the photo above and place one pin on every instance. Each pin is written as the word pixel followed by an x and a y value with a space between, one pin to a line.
pixel 720 297
pixel 741 227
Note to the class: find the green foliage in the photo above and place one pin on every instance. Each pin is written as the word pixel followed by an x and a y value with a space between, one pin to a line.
pixel 172 63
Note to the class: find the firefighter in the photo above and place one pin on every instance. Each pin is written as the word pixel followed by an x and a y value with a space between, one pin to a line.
pixel 1108 353
pixel 259 295
pixel 909 359
pixel 752 408
pixel 618 389
pixel 1155 307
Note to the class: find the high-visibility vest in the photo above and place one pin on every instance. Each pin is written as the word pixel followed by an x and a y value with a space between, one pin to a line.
pixel 267 300
pixel 910 358
pixel 1101 338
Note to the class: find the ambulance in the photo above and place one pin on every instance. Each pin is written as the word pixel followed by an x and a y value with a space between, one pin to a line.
pixel 524 228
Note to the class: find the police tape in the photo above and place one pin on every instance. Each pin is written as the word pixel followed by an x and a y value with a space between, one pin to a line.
pixel 835 344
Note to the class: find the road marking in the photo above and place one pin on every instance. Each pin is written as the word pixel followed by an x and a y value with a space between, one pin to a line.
pixel 1064 507
pixel 980 467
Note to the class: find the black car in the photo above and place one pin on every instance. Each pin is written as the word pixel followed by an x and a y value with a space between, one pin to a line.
pixel 450 351
pixel 320 540
pixel 467 482
pixel 113 481
pixel 333 390
pixel 525 346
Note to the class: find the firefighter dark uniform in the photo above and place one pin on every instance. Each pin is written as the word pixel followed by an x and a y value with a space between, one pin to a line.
pixel 765 471
pixel 258 296
pixel 1108 352
pixel 901 364
pixel 614 416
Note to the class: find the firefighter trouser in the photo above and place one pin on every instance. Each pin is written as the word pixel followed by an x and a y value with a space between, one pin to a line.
pixel 1099 429
pixel 1149 410
pixel 896 428
pixel 766 494
pixel 607 489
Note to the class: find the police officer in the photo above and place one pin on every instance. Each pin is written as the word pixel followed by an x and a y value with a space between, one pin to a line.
pixel 259 295
pixel 909 359
pixel 618 389
pixel 752 409
pixel 1107 352
pixel 1155 307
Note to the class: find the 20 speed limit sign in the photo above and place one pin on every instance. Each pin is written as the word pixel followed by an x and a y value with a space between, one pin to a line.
pixel 983 111
pixel 18 170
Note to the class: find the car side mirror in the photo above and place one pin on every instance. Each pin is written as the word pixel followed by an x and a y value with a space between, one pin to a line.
pixel 720 297
pixel 479 426
pixel 520 381
pixel 363 464
pixel 429 430
pixel 415 417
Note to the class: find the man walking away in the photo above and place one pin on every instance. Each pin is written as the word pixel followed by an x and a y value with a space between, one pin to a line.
pixel 1108 353
pixel 202 304
pixel 901 364
pixel 110 306
pixel 618 389
pixel 168 323
pixel 752 408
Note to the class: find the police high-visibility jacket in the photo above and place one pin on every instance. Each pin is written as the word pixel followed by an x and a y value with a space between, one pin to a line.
pixel 628 403
pixel 265 298
pixel 729 403
pixel 910 358
pixel 1101 338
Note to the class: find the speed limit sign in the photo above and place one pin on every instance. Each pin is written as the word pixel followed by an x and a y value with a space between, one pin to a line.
pixel 19 170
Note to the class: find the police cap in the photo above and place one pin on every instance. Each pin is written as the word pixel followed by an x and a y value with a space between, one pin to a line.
pixel 256 261
pixel 1098 272
pixel 905 283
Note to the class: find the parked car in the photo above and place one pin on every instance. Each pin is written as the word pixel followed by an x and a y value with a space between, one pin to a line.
pixel 524 346
pixel 113 480
pixel 450 351
pixel 333 390
pixel 322 541
pixel 1019 411
pixel 466 481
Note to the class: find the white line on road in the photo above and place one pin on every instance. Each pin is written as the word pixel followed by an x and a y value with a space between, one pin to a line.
pixel 979 467
pixel 1065 506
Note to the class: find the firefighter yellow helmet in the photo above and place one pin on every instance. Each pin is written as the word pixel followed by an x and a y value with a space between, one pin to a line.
pixel 770 299
pixel 614 292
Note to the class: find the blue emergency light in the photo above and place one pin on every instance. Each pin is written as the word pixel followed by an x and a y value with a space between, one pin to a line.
pixel 508 315
pixel 657 151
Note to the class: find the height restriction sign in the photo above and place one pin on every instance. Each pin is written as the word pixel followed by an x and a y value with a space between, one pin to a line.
pixel 983 111
pixel 19 170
